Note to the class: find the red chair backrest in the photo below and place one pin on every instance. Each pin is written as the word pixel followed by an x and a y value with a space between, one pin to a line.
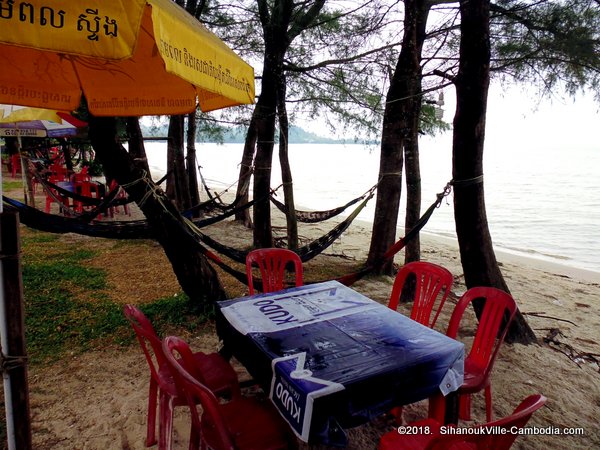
pixel 180 360
pixel 272 264
pixel 494 440
pixel 114 185
pixel 430 280
pixel 148 339
pixel 82 176
pixel 498 312
pixel 85 188
pixel 58 172
pixel 15 161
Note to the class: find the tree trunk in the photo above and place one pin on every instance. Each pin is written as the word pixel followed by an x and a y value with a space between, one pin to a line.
pixel 136 143
pixel 266 108
pixel 476 250
pixel 402 105
pixel 286 171
pixel 246 171
pixel 66 150
pixel 195 275
pixel 263 235
pixel 282 21
pixel 190 160
pixel 412 251
pixel 177 184
pixel 27 179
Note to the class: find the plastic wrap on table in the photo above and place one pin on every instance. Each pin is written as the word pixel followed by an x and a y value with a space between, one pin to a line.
pixel 327 354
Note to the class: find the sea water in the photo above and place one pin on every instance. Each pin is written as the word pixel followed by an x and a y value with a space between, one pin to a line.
pixel 541 201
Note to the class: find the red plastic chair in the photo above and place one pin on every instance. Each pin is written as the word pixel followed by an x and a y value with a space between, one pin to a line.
pixel 434 440
pixel 243 423
pixel 214 371
pixel 85 187
pixel 431 279
pixel 58 172
pixel 120 195
pixel 272 264
pixel 498 312
pixel 15 164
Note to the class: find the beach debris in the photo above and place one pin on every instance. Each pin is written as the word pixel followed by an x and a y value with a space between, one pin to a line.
pixel 542 315
pixel 552 340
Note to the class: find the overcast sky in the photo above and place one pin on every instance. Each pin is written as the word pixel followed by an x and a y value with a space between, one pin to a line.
pixel 518 115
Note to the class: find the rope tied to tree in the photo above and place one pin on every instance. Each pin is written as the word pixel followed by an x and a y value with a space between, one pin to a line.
pixel 8 256
pixel 8 362
pixel 467 182
pixel 151 188
pixel 390 174
pixel 444 193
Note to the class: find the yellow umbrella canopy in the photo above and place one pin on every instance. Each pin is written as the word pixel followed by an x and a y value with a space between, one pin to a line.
pixel 24 121
pixel 129 58
pixel 14 113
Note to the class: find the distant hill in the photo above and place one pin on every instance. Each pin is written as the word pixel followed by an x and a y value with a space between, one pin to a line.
pixel 297 135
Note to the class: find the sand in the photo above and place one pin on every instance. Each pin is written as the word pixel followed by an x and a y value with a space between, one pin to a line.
pixel 98 400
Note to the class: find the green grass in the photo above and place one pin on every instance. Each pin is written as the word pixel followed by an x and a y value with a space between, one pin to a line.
pixel 68 309
pixel 11 185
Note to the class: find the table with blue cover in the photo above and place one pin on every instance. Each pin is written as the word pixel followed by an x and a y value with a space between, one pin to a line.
pixel 332 358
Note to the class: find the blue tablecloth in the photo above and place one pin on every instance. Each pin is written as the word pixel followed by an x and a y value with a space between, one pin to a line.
pixel 332 358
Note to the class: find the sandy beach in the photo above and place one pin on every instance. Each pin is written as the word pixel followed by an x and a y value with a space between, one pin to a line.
pixel 97 400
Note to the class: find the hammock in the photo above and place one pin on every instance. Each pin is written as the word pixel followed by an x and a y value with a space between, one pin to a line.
pixel 350 279
pixel 84 223
pixel 52 223
pixel 208 206
pixel 306 252
pixel 216 198
pixel 214 201
pixel 319 216
pixel 210 220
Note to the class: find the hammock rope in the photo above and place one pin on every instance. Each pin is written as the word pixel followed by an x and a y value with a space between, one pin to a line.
pixel 352 278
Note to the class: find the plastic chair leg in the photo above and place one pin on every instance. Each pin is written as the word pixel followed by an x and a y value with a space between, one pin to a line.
pixel 151 428
pixel 194 439
pixel 396 413
pixel 165 423
pixel 48 204
pixel 464 412
pixel 437 408
pixel 488 403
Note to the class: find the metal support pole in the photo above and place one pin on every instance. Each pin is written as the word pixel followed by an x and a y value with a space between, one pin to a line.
pixel 12 335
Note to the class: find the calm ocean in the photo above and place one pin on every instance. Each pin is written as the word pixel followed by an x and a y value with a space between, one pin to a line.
pixel 542 202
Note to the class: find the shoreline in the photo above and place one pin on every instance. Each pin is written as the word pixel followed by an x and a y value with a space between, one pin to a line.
pixel 431 240
pixel 565 259
pixel 507 257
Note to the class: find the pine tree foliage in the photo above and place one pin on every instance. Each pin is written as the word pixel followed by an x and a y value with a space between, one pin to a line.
pixel 556 43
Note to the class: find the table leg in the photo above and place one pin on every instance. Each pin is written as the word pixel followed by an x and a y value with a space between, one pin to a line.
pixel 451 414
